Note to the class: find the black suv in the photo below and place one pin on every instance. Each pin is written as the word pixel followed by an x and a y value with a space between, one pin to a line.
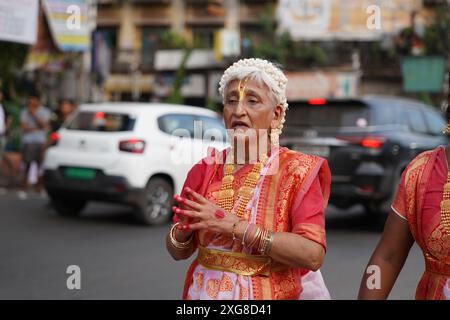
pixel 368 142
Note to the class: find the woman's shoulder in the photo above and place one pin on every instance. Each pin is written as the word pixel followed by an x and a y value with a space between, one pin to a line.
pixel 422 158
pixel 418 164
pixel 301 163
pixel 293 155
pixel 213 157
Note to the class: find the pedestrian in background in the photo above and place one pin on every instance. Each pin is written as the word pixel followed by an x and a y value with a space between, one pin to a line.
pixel 65 108
pixel 34 120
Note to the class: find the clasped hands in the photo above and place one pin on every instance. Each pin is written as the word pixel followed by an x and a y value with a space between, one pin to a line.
pixel 199 213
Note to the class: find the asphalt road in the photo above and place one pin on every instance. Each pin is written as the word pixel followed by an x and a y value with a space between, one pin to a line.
pixel 120 259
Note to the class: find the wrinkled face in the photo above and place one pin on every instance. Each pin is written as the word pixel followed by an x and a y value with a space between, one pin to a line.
pixel 248 105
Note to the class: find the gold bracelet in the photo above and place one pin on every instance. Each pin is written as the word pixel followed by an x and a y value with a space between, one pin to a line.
pixel 263 241
pixel 270 243
pixel 177 244
pixel 256 237
pixel 233 232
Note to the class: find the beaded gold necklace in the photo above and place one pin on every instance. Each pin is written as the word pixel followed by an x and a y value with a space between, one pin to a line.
pixel 445 206
pixel 226 197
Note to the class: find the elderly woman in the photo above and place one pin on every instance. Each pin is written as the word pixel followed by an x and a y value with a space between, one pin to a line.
pixel 256 220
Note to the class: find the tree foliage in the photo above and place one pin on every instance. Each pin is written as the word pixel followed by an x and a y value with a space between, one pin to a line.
pixel 282 48
pixel 12 57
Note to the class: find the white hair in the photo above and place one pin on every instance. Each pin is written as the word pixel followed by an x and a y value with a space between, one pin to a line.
pixel 263 72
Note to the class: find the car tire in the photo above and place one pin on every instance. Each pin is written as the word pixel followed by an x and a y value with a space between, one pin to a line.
pixel 67 207
pixel 155 206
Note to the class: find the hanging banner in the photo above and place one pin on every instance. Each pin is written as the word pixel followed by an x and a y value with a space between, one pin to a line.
pixel 344 20
pixel 18 20
pixel 68 22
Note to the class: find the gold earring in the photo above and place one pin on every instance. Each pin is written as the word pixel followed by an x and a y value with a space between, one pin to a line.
pixel 447 128
pixel 274 138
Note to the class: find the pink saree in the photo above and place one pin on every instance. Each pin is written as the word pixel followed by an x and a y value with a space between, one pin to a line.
pixel 418 201
pixel 291 200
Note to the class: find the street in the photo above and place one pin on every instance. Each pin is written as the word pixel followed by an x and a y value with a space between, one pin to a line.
pixel 120 259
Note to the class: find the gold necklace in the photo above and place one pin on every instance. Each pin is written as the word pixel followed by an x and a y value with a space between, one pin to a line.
pixel 445 206
pixel 226 197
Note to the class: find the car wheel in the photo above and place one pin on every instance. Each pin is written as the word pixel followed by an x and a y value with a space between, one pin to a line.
pixel 67 207
pixel 155 208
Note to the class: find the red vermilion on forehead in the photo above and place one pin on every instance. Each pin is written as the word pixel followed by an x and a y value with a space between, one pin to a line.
pixel 241 88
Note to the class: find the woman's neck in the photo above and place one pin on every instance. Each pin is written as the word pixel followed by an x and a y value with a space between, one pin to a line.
pixel 243 153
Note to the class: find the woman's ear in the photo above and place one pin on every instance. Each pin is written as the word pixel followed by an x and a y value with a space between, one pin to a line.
pixel 277 116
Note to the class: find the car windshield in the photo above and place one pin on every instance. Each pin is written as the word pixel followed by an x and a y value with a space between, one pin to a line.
pixel 328 115
pixel 101 121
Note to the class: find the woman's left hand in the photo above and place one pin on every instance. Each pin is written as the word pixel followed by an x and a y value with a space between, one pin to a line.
pixel 204 214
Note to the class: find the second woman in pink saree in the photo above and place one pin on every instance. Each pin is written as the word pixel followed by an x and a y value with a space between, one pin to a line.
pixel 257 227
pixel 420 213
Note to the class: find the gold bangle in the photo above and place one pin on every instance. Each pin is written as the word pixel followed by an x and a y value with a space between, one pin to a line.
pixel 233 231
pixel 256 236
pixel 177 244
pixel 265 242
pixel 262 241
pixel 270 243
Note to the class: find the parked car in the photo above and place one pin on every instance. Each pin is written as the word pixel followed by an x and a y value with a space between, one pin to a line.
pixel 368 142
pixel 127 153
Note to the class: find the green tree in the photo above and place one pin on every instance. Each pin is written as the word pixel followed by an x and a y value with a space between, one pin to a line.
pixel 172 40
pixel 12 57
pixel 437 36
pixel 282 48
pixel 175 95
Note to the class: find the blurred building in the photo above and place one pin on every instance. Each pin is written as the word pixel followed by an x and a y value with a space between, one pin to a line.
pixel 340 48
pixel 138 65
pixel 57 34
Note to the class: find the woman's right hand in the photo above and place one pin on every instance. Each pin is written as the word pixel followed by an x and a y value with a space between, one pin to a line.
pixel 180 234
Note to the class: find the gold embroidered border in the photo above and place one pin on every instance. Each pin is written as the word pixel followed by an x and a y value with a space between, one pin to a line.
pixel 236 262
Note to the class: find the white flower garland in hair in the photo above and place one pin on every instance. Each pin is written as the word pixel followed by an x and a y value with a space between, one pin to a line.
pixel 266 72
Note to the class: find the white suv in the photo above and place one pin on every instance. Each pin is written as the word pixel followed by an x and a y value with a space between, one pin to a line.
pixel 132 153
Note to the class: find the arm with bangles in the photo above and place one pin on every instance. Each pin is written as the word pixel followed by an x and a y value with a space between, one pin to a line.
pixel 297 251
pixel 289 248
pixel 183 237
pixel 285 247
